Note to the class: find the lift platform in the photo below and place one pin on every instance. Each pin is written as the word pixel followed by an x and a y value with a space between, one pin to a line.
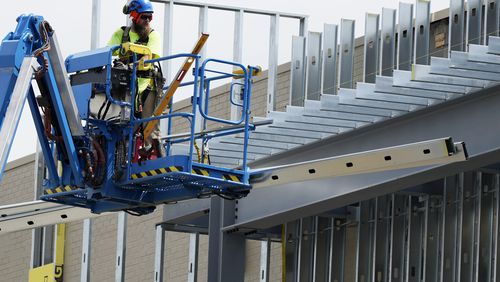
pixel 93 136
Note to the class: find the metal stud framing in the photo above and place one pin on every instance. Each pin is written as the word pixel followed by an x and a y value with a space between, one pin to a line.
pixel 194 240
pixel 492 19
pixel 121 241
pixel 314 66
pixel 388 41
pixel 297 78
pixel 265 260
pixel 237 56
pixel 159 252
pixel 346 54
pixel 371 50
pixel 422 32
pixel 273 61
pixel 474 11
pixel 456 27
pixel 330 34
pixel 405 36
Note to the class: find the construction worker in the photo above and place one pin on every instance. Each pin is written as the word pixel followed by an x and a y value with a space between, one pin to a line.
pixel 149 83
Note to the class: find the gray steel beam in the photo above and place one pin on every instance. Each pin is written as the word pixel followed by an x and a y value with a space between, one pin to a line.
pixel 272 74
pixel 422 32
pixel 314 66
pixel 405 36
pixel 346 54
pixel 330 32
pixel 474 11
pixel 456 40
pixel 298 71
pixel 371 49
pixel 466 112
pixel 387 61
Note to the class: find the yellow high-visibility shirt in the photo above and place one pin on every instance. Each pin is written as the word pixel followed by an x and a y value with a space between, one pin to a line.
pixel 154 44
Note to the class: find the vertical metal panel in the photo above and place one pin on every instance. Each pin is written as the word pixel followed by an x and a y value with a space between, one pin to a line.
pixel 159 252
pixel 95 24
pixel 237 57
pixel 297 78
pixel 405 36
pixel 265 259
pixel 474 11
pixel 194 240
pixel 366 237
pixel 397 239
pixel 486 227
pixel 273 62
pixel 493 18
pixel 322 248
pixel 303 26
pixel 307 242
pixel 371 51
pixel 314 66
pixel 468 215
pixel 450 224
pixel 432 235
pixel 422 31
pixel 381 248
pixel 346 53
pixel 86 251
pixel 168 22
pixel 121 243
pixel 330 59
pixel 291 240
pixel 414 255
pixel 388 41
pixel 456 26
pixel 338 242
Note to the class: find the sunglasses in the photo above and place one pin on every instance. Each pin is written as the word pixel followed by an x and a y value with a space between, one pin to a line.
pixel 147 17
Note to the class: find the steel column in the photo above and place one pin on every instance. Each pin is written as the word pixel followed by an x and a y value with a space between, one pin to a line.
pixel 314 66
pixel 486 227
pixel 381 255
pixel 330 59
pixel 159 252
pixel 306 249
pixel 346 54
pixel 366 240
pixel 388 41
pixel 291 241
pixel 272 74
pixel 432 235
pixel 414 241
pixel 194 240
pixel 371 50
pixel 405 36
pixel 298 71
pixel 422 32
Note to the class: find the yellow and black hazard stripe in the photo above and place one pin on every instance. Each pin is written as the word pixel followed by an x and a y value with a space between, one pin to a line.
pixel 60 189
pixel 157 171
pixel 232 177
pixel 200 171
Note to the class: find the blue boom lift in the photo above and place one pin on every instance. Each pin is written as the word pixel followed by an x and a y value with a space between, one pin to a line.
pixel 91 136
